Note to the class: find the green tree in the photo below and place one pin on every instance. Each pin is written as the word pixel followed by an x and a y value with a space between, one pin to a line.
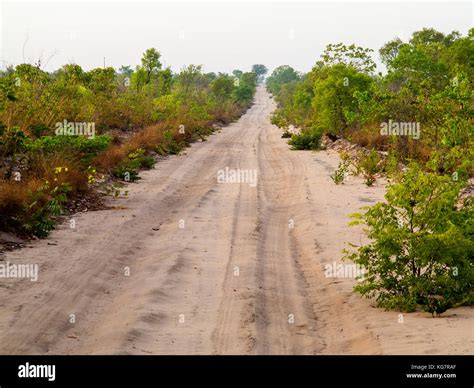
pixel 390 50
pixel 222 87
pixel 237 73
pixel 151 63
pixel 101 80
pixel 126 70
pixel 334 104
pixel 281 75
pixel 422 249
pixel 351 56
pixel 260 70
pixel 245 91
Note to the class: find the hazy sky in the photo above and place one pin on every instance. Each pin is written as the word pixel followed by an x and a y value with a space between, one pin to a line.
pixel 221 36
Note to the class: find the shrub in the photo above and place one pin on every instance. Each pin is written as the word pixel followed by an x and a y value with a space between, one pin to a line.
pixel 370 138
pixel 422 249
pixel 45 204
pixel 13 202
pixel 29 205
pixel 278 120
pixel 369 165
pixel 128 168
pixel 170 145
pixel 12 141
pixel 340 173
pixel 306 140
pixel 38 130
pixel 85 148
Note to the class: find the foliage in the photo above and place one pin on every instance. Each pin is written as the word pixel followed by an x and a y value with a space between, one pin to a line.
pixel 281 75
pixel 345 167
pixel 46 203
pixel 12 141
pixel 306 140
pixel 349 56
pixel 422 249
pixel 429 81
pixel 260 70
pixel 87 148
pixel 129 167
pixel 244 92
pixel 170 145
pixel 341 173
pixel 334 106
pixel 369 165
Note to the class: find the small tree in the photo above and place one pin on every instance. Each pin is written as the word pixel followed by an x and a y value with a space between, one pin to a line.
pixel 237 73
pixel 260 70
pixel 352 56
pixel 281 75
pixel 151 63
pixel 422 249
pixel 222 87
pixel 244 93
pixel 126 70
pixel 149 69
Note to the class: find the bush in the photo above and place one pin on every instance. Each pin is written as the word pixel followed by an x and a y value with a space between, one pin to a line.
pixel 85 148
pixel 422 249
pixel 340 173
pixel 13 202
pixel 278 120
pixel 128 168
pixel 41 222
pixel 170 145
pixel 306 140
pixel 369 166
pixel 12 141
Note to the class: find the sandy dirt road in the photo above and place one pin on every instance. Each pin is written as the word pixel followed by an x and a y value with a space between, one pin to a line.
pixel 214 268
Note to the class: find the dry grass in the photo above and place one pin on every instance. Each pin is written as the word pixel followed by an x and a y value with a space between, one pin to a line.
pixel 14 199
pixel 14 195
pixel 112 156
pixel 70 173
pixel 370 138
pixel 146 139
pixel 226 113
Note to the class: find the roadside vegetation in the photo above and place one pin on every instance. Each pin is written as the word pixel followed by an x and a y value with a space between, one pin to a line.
pixel 415 126
pixel 63 132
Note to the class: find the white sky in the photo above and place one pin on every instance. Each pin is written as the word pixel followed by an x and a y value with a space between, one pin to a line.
pixel 221 36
